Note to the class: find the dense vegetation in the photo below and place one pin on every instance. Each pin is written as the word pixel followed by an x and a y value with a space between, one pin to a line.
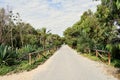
pixel 18 39
pixel 97 30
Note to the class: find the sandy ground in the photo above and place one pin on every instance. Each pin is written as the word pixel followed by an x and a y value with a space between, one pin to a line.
pixel 65 64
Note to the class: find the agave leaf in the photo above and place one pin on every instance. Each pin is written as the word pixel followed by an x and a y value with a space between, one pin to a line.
pixel 4 52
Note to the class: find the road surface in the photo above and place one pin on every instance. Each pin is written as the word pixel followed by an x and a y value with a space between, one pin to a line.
pixel 66 64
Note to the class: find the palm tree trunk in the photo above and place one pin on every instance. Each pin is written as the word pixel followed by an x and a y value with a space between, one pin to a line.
pixel 44 45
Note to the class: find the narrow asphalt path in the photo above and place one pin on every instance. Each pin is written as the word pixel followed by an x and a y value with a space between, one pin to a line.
pixel 66 64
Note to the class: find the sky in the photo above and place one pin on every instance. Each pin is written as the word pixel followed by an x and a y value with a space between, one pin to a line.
pixel 55 15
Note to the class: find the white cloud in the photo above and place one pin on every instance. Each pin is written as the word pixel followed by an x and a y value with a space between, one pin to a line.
pixel 56 15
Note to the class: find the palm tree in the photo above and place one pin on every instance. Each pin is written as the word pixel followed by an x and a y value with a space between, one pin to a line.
pixel 44 34
pixel 50 39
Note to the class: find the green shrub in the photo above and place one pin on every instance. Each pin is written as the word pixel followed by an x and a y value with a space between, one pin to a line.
pixel 116 63
pixel 26 49
pixel 114 49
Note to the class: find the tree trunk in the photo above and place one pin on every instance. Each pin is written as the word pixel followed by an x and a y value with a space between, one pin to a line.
pixel 2 22
pixel 11 38
pixel 0 33
pixel 21 37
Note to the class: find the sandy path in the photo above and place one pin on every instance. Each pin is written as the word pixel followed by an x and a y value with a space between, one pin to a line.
pixel 65 64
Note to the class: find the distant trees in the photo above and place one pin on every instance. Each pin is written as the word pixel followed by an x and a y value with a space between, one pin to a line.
pixel 15 33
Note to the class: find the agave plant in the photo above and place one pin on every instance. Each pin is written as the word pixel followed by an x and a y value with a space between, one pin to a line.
pixel 8 56
pixel 23 52
pixel 26 49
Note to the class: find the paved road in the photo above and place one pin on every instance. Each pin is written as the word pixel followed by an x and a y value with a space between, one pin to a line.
pixel 65 64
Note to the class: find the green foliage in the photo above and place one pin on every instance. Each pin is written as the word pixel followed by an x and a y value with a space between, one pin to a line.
pixel 84 34
pixel 22 39
pixel 5 69
pixel 97 30
pixel 109 47
pixel 114 49
pixel 7 55
pixel 102 13
pixel 118 4
pixel 84 43
pixel 116 63
pixel 25 50
pixel 23 65
pixel 91 56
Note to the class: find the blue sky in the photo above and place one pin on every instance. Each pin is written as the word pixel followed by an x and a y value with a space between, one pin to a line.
pixel 55 15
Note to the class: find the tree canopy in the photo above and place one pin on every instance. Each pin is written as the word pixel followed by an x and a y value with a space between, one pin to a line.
pixel 97 30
